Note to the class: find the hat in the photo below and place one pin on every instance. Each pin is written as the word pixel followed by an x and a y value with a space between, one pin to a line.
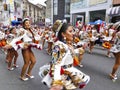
pixel 110 25
pixel 57 25
pixel 25 19
pixel 117 26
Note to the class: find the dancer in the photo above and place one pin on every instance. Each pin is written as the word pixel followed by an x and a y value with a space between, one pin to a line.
pixel 62 73
pixel 116 52
pixel 28 55
pixel 25 40
pixel 11 53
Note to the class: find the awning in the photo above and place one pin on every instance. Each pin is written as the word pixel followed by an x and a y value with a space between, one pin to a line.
pixel 14 22
pixel 97 22
pixel 113 11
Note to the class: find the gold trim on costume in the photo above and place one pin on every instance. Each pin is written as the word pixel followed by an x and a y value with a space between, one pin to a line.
pixel 57 82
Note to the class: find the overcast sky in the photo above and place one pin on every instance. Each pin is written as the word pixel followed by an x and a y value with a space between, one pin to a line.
pixel 38 1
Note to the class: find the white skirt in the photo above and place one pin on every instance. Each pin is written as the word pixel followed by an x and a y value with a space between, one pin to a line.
pixel 46 79
pixel 115 49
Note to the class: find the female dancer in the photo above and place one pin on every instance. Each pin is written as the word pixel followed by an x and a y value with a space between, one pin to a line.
pixel 25 40
pixel 116 51
pixel 92 38
pixel 44 36
pixel 28 56
pixel 50 41
pixel 62 73
pixel 12 53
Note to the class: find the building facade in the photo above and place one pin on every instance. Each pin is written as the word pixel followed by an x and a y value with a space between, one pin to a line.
pixel 84 10
pixel 1 11
pixel 16 10
pixel 114 11
pixel 10 10
pixel 36 13
pixel 89 10
pixel 49 12
pixel 7 11
pixel 57 9
pixel 116 2
pixel 61 10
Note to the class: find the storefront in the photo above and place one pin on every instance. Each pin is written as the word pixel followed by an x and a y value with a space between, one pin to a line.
pixel 90 10
pixel 99 14
pixel 114 14
pixel 78 17
pixel 78 12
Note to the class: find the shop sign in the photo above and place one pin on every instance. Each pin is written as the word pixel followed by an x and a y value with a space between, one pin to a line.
pixel 95 2
pixel 78 4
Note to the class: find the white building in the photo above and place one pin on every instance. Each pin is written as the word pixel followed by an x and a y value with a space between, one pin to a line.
pixel 5 6
pixel 11 10
pixel 35 12
pixel 89 10
pixel 49 12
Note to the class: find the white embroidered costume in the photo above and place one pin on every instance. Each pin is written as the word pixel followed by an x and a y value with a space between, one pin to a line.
pixel 116 46
pixel 62 71
pixel 26 38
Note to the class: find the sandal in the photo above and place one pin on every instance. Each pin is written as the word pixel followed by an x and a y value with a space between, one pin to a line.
pixel 16 66
pixel 6 61
pixel 10 69
pixel 30 76
pixel 24 79
pixel 80 65
pixel 109 56
pixel 113 76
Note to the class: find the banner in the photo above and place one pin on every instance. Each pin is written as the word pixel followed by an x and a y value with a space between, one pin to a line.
pixel 95 2
pixel 78 4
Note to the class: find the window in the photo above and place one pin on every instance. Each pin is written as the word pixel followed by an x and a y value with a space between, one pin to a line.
pixel 67 7
pixel 55 7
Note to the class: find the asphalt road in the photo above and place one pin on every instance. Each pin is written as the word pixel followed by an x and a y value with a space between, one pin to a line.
pixel 97 65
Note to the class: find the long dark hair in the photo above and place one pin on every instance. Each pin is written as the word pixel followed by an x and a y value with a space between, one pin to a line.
pixel 23 23
pixel 11 29
pixel 26 19
pixel 62 30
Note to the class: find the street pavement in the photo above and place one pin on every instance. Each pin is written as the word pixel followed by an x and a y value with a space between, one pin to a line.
pixel 97 65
